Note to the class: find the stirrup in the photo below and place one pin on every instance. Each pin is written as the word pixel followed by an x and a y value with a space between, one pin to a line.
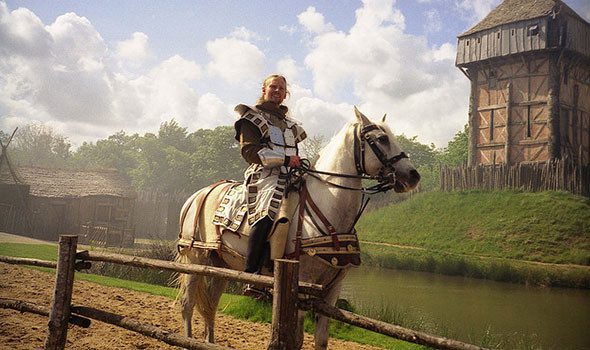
pixel 254 292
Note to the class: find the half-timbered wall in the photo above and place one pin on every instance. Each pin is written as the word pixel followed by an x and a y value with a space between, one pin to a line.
pixel 575 110
pixel 512 112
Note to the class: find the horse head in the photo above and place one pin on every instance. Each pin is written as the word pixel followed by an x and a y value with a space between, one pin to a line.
pixel 377 153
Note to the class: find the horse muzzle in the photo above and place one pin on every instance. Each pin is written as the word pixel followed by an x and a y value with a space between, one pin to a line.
pixel 404 183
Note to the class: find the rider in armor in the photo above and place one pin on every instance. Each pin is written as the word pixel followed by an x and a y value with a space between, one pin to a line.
pixel 268 141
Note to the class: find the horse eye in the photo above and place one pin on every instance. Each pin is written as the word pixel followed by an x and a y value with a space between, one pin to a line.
pixel 383 139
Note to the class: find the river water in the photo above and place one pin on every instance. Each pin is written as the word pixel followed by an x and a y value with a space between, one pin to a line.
pixel 511 315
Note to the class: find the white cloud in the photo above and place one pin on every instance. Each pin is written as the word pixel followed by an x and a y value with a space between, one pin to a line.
pixel 288 67
pixel 63 75
pixel 243 33
pixel 475 10
pixel 135 48
pixel 235 60
pixel 288 29
pixel 313 21
pixel 432 22
pixel 446 51
pixel 389 71
pixel 76 45
pixel 212 112
pixel 321 117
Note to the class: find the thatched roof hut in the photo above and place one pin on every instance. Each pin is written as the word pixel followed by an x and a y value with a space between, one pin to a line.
pixel 73 202
pixel 58 183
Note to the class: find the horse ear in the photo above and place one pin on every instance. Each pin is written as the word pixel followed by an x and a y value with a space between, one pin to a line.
pixel 383 119
pixel 361 117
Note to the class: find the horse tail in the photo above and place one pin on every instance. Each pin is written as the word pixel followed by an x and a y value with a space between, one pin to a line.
pixel 198 291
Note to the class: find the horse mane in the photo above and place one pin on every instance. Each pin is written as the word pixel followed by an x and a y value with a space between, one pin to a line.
pixel 335 148
pixel 339 147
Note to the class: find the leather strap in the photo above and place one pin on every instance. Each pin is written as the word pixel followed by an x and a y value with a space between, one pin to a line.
pixel 324 220
pixel 199 206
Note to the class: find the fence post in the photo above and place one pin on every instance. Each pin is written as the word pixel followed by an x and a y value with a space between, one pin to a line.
pixel 62 295
pixel 284 305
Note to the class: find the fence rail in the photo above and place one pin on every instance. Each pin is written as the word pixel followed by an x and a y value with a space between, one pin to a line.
pixel 286 288
pixel 560 175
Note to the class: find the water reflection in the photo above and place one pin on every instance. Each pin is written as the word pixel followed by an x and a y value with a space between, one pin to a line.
pixel 468 309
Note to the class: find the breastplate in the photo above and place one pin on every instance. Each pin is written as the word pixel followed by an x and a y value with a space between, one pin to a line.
pixel 283 141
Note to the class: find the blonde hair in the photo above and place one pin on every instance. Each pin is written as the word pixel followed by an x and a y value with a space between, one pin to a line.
pixel 261 99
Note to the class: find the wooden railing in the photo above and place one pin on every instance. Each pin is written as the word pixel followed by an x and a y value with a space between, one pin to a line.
pixel 286 302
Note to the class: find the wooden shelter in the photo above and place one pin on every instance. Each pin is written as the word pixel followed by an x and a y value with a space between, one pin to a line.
pixel 529 66
pixel 98 205
pixel 14 204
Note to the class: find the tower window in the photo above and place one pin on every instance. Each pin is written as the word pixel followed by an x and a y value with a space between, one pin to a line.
pixel 492 79
pixel 533 30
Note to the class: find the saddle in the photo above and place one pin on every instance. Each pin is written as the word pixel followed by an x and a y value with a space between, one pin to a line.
pixel 231 214
pixel 336 249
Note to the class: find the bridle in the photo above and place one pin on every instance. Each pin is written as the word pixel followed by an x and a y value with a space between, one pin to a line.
pixel 385 178
pixel 387 173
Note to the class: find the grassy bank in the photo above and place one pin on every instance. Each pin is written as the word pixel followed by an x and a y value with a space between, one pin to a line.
pixel 498 235
pixel 233 305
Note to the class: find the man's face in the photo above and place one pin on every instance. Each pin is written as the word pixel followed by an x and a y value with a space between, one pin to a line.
pixel 275 90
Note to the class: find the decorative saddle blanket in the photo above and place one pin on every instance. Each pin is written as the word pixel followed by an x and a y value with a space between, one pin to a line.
pixel 336 249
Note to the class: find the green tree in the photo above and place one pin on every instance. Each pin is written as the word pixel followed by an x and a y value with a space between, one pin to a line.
pixel 40 145
pixel 160 167
pixel 420 154
pixel 216 156
pixel 119 151
pixel 455 154
pixel 172 134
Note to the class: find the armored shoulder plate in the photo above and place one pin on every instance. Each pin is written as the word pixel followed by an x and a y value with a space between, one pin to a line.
pixel 252 115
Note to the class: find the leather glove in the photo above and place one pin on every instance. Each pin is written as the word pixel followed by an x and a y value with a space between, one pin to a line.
pixel 294 161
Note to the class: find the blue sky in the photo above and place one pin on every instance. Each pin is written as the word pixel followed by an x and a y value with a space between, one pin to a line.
pixel 91 68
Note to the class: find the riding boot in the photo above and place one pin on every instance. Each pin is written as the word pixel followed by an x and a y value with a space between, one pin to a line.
pixel 256 255
pixel 256 245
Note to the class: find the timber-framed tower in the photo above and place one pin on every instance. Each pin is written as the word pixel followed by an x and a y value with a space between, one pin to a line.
pixel 529 66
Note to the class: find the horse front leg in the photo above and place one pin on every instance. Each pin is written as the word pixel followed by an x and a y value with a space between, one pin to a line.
pixel 322 322
pixel 300 329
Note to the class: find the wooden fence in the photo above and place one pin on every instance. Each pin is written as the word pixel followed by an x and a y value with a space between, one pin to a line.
pixel 286 302
pixel 561 175
pixel 156 214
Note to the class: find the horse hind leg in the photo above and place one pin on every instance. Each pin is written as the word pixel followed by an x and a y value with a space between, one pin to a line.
pixel 202 293
pixel 207 307
pixel 188 285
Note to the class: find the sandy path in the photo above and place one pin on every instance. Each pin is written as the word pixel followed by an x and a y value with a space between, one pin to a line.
pixel 27 331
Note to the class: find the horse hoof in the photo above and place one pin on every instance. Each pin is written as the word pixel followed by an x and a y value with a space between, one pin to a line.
pixel 259 294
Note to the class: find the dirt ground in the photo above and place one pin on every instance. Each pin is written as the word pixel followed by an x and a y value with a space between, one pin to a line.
pixel 27 331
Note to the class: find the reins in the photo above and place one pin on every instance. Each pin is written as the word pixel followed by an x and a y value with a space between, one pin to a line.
pixel 385 180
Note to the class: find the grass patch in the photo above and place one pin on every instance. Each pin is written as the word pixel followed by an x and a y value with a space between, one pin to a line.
pixel 34 251
pixel 454 231
pixel 551 227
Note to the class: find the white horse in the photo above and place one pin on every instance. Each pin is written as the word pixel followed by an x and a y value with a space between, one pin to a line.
pixel 361 148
